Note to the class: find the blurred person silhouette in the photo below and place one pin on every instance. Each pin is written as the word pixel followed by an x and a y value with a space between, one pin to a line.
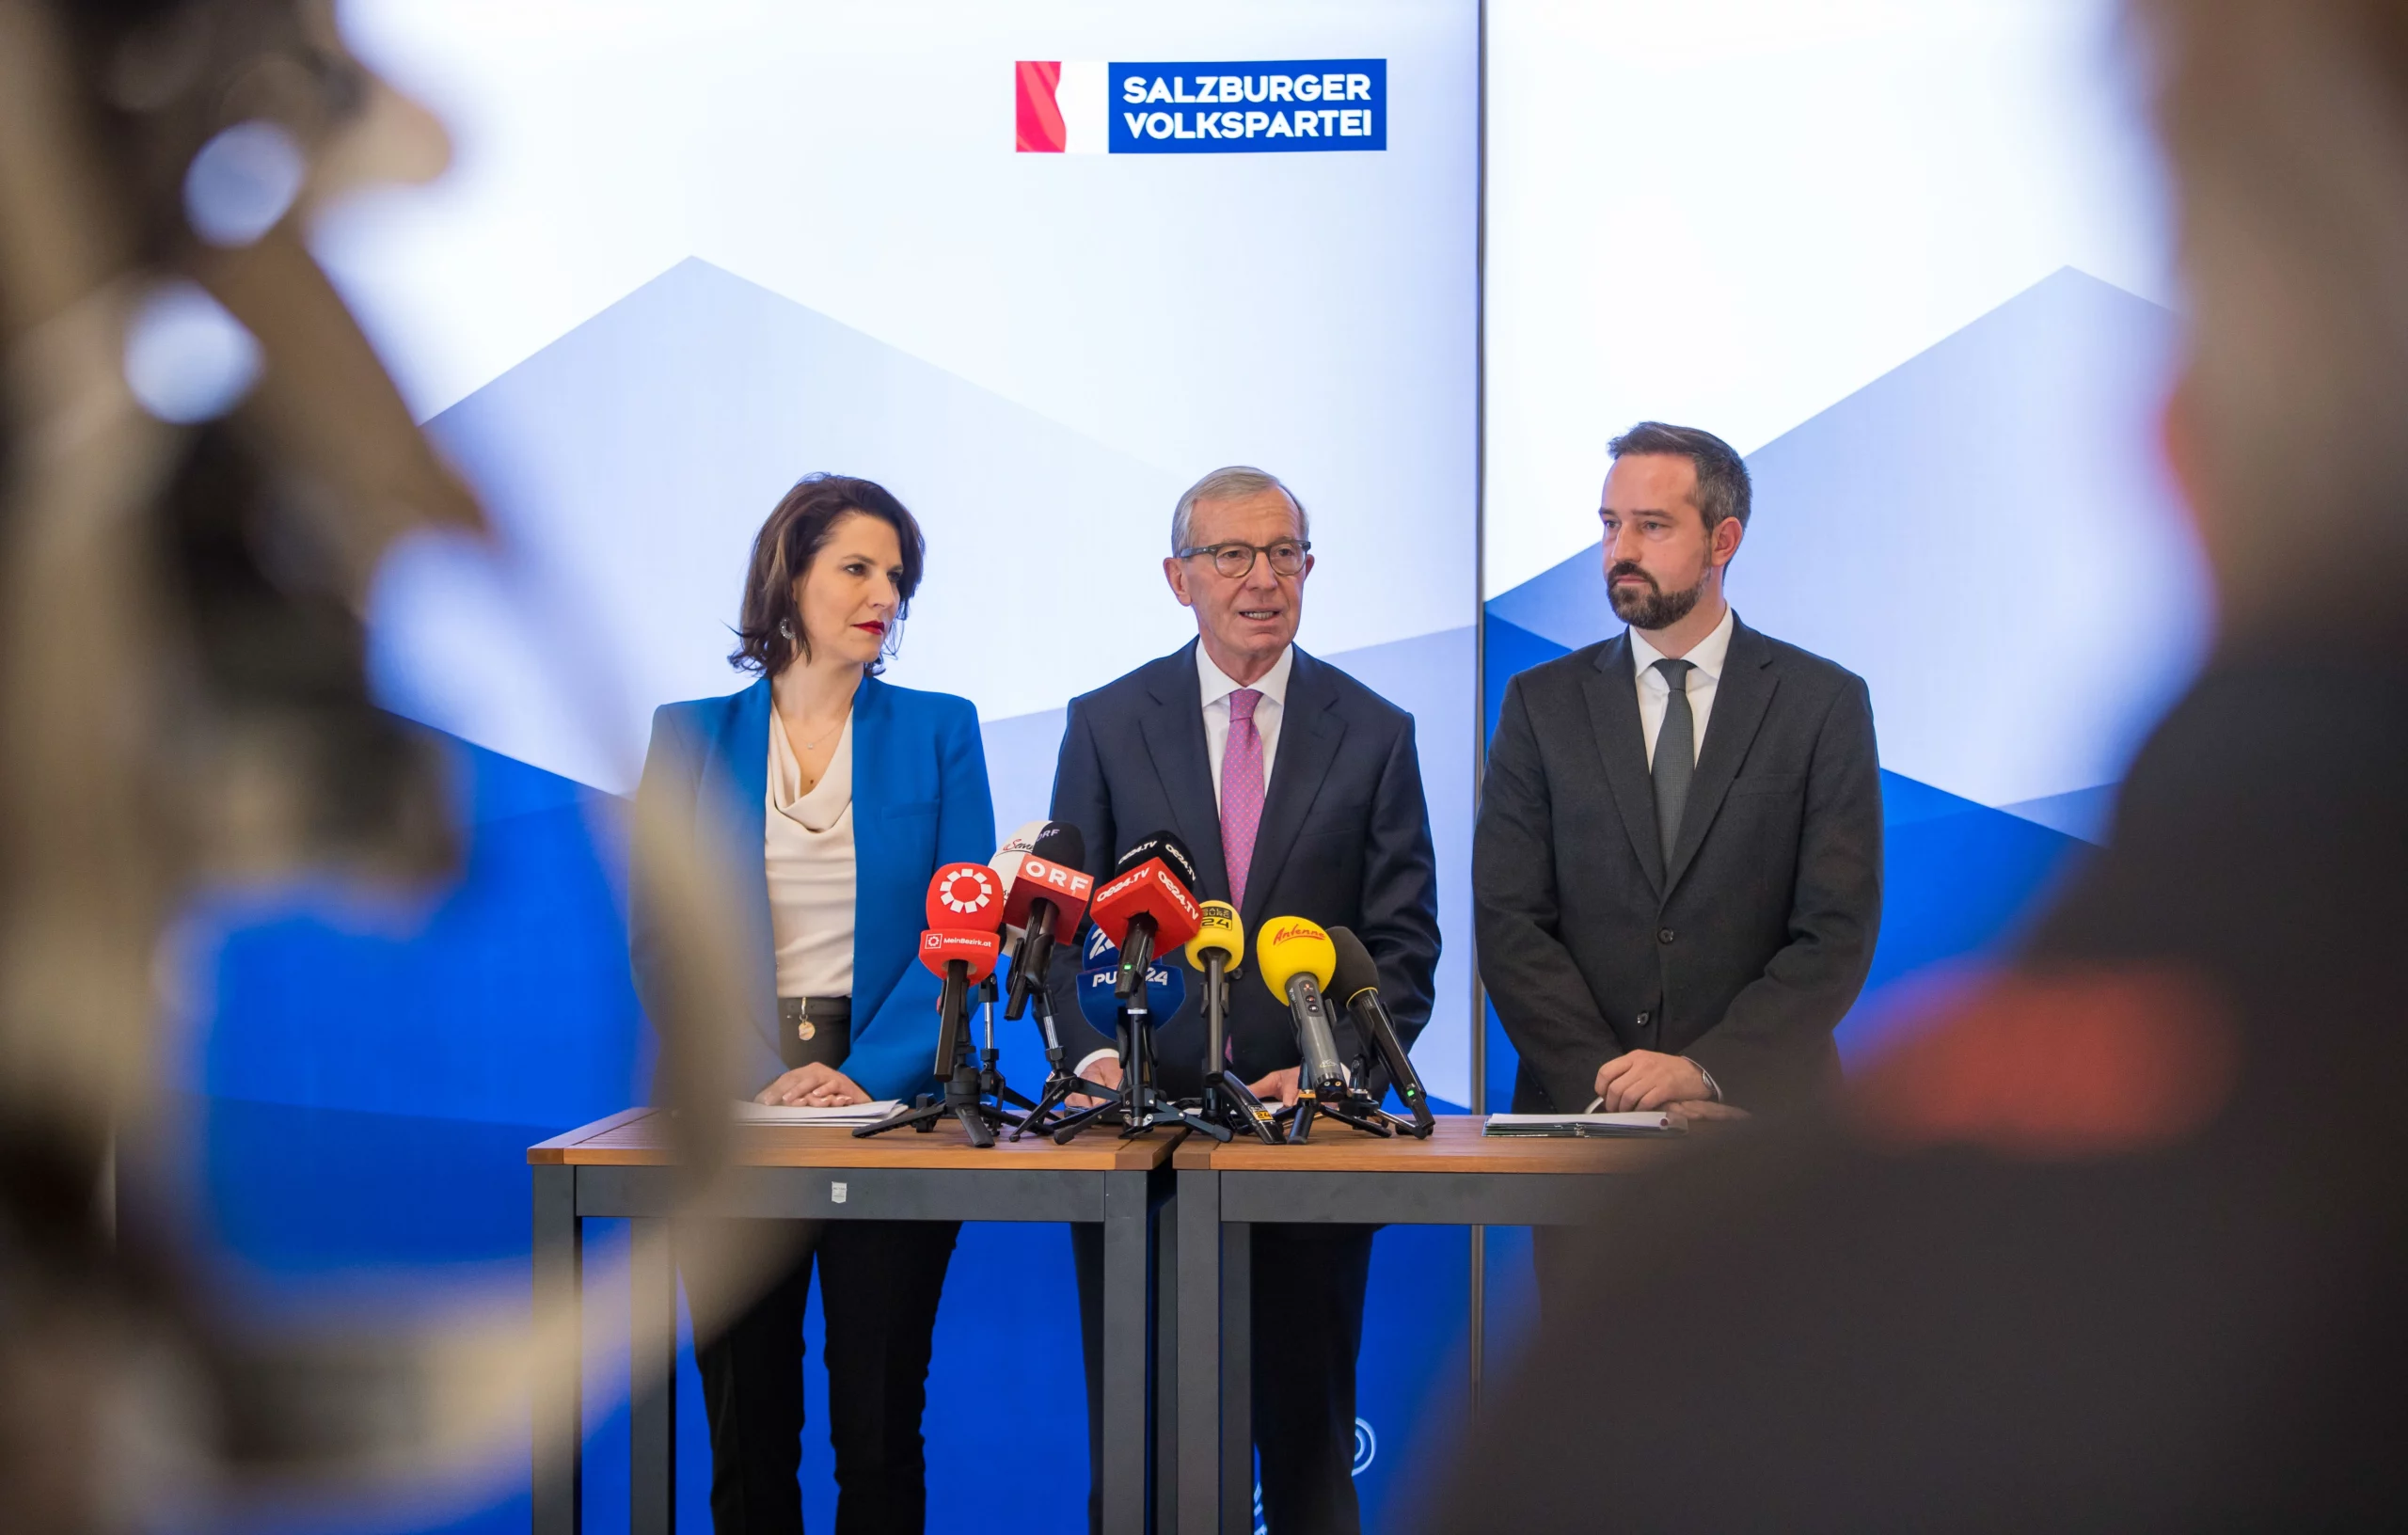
pixel 2115 1236
pixel 828 798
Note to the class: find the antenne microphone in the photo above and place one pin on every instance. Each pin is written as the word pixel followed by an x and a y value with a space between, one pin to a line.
pixel 1355 984
pixel 1006 862
pixel 1147 907
pixel 1296 959
pixel 1047 895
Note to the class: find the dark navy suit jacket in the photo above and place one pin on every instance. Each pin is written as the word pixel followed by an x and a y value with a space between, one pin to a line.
pixel 920 801
pixel 1344 841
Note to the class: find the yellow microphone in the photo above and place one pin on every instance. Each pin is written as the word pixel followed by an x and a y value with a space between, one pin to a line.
pixel 1296 958
pixel 1218 935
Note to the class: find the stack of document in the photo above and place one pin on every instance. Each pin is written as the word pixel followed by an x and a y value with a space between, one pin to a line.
pixel 844 1118
pixel 1570 1126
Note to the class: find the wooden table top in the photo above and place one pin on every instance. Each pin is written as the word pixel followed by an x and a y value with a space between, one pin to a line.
pixel 1456 1146
pixel 637 1138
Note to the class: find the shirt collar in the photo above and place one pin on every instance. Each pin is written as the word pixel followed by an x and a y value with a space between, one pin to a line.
pixel 1272 684
pixel 1708 656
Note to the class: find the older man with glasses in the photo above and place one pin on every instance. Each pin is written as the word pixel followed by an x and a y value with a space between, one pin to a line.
pixel 1299 792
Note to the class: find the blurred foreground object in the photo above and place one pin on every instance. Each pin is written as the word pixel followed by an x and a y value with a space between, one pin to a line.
pixel 2117 1238
pixel 201 463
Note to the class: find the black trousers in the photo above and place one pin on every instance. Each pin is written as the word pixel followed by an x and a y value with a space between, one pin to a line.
pixel 1308 1308
pixel 880 1282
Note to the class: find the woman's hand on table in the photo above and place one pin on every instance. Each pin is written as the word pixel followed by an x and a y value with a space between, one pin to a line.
pixel 813 1086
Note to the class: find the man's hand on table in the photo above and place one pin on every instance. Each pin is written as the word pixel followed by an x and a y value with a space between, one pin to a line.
pixel 1282 1085
pixel 813 1086
pixel 1104 1071
pixel 1649 1078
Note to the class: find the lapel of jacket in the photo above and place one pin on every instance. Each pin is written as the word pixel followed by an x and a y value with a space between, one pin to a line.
pixel 1612 692
pixel 1174 736
pixel 1740 699
pixel 1309 731
pixel 742 771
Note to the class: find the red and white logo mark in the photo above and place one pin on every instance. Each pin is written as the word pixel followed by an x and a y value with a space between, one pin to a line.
pixel 1060 107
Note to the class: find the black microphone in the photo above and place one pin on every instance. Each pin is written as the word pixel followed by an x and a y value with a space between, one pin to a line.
pixel 1356 983
pixel 1048 895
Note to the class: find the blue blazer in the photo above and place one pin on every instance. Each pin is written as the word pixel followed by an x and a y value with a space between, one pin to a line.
pixel 920 801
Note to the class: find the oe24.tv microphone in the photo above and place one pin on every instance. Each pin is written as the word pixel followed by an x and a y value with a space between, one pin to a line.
pixel 1217 948
pixel 1046 895
pixel 1147 907
pixel 1218 945
pixel 965 909
pixel 1355 984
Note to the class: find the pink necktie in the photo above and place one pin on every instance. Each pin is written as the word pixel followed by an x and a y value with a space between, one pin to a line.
pixel 1241 791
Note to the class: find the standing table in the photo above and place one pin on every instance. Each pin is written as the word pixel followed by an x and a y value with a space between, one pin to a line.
pixel 622 1167
pixel 1458 1177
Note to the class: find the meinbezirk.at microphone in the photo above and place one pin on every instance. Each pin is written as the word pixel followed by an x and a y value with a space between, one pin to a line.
pixel 1047 895
pixel 1296 959
pixel 1148 906
pixel 965 907
pixel 1355 984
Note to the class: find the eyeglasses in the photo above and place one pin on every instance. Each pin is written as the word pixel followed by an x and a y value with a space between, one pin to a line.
pixel 1236 561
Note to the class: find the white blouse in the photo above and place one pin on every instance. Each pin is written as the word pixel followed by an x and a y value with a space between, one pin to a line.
pixel 809 851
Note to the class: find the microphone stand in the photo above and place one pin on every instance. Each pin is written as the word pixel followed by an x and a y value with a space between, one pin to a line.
pixel 1227 1105
pixel 1144 1106
pixel 1061 1082
pixel 967 1084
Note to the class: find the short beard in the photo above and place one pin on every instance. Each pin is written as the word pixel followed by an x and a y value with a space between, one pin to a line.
pixel 1654 609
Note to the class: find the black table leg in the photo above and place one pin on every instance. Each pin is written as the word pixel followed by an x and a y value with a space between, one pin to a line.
pixel 1237 1378
pixel 1196 1346
pixel 559 1265
pixel 651 1427
pixel 1161 1349
pixel 1127 1390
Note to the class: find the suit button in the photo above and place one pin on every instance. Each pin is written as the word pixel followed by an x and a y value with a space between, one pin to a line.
pixel 1642 1020
pixel 1663 935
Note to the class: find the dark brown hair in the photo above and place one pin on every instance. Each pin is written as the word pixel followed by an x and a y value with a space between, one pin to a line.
pixel 770 631
pixel 1723 489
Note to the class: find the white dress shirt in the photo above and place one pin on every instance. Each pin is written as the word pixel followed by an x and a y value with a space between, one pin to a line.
pixel 808 846
pixel 1705 670
pixel 1268 710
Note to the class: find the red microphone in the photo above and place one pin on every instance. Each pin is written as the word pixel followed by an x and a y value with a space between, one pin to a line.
pixel 1048 897
pixel 965 907
pixel 967 897
pixel 1147 908
pixel 941 948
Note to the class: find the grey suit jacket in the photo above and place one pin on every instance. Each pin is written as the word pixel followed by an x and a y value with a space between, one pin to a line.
pixel 1742 954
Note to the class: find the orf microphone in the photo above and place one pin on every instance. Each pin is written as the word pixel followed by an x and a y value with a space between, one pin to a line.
pixel 1147 907
pixel 1048 897
pixel 1355 984
pixel 1296 959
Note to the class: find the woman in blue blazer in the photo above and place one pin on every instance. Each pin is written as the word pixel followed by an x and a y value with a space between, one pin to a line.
pixel 828 798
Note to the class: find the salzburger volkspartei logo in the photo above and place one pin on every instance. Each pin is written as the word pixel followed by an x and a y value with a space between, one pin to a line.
pixel 1087 107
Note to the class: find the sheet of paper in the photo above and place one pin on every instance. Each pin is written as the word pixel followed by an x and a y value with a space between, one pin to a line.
pixel 783 1113
pixel 1628 1119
